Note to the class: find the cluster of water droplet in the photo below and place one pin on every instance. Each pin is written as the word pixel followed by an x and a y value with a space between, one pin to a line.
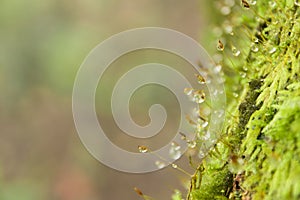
pixel 234 40
pixel 197 96
pixel 200 119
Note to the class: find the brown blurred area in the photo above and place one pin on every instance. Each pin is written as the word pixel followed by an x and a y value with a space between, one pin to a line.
pixel 42 45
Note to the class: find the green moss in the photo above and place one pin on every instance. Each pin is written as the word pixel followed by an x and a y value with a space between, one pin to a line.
pixel 214 185
pixel 263 160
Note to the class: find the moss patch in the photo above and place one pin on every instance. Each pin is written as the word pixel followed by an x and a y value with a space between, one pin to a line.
pixel 258 155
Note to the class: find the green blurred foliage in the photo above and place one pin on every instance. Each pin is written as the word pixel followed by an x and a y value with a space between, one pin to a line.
pixel 42 45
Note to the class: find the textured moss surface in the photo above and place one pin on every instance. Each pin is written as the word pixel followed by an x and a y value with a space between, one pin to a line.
pixel 258 154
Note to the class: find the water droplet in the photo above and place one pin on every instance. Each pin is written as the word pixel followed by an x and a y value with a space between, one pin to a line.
pixel 218 57
pixel 174 166
pixel 297 3
pixel 235 51
pixel 190 121
pixel 204 123
pixel 143 149
pixel 183 136
pixel 217 31
pixel 254 47
pixel 199 96
pixel 272 50
pixel 236 95
pixel 188 91
pixel 200 79
pixel 217 69
pixel 160 164
pixel 206 136
pixel 225 10
pixel 208 81
pixel 192 144
pixel 219 113
pixel 272 4
pixel 174 151
pixel 220 46
pixel 201 154
pixel 227 27
pixel 215 92
pixel 243 74
pixel 254 39
pixel 245 4
pixel 175 146
pixel 221 80
pixel 252 2
pixel 229 3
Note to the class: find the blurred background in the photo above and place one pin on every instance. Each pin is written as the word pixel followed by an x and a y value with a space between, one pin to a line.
pixel 42 45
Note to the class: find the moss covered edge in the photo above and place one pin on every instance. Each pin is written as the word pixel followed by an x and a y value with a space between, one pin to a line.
pixel 258 154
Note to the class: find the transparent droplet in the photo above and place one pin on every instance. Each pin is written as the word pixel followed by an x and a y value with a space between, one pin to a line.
pixel 296 3
pixel 220 46
pixel 206 111
pixel 254 47
pixel 143 149
pixel 192 144
pixel 229 3
pixel 245 4
pixel 190 121
pixel 188 91
pixel 254 39
pixel 235 51
pixel 199 96
pixel 201 154
pixel 208 80
pixel 174 166
pixel 272 50
pixel 243 74
pixel 221 80
pixel 218 57
pixel 236 95
pixel 160 164
pixel 215 92
pixel 204 123
pixel 252 2
pixel 217 69
pixel 219 113
pixel 272 4
pixel 225 10
pixel 206 136
pixel 227 27
pixel 217 31
pixel 200 79
pixel 175 146
pixel 174 151
pixel 182 136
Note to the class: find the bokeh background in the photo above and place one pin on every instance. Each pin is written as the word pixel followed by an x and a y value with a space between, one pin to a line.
pixel 42 45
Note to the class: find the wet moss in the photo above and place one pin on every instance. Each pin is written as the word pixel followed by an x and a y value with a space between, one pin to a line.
pixel 265 134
